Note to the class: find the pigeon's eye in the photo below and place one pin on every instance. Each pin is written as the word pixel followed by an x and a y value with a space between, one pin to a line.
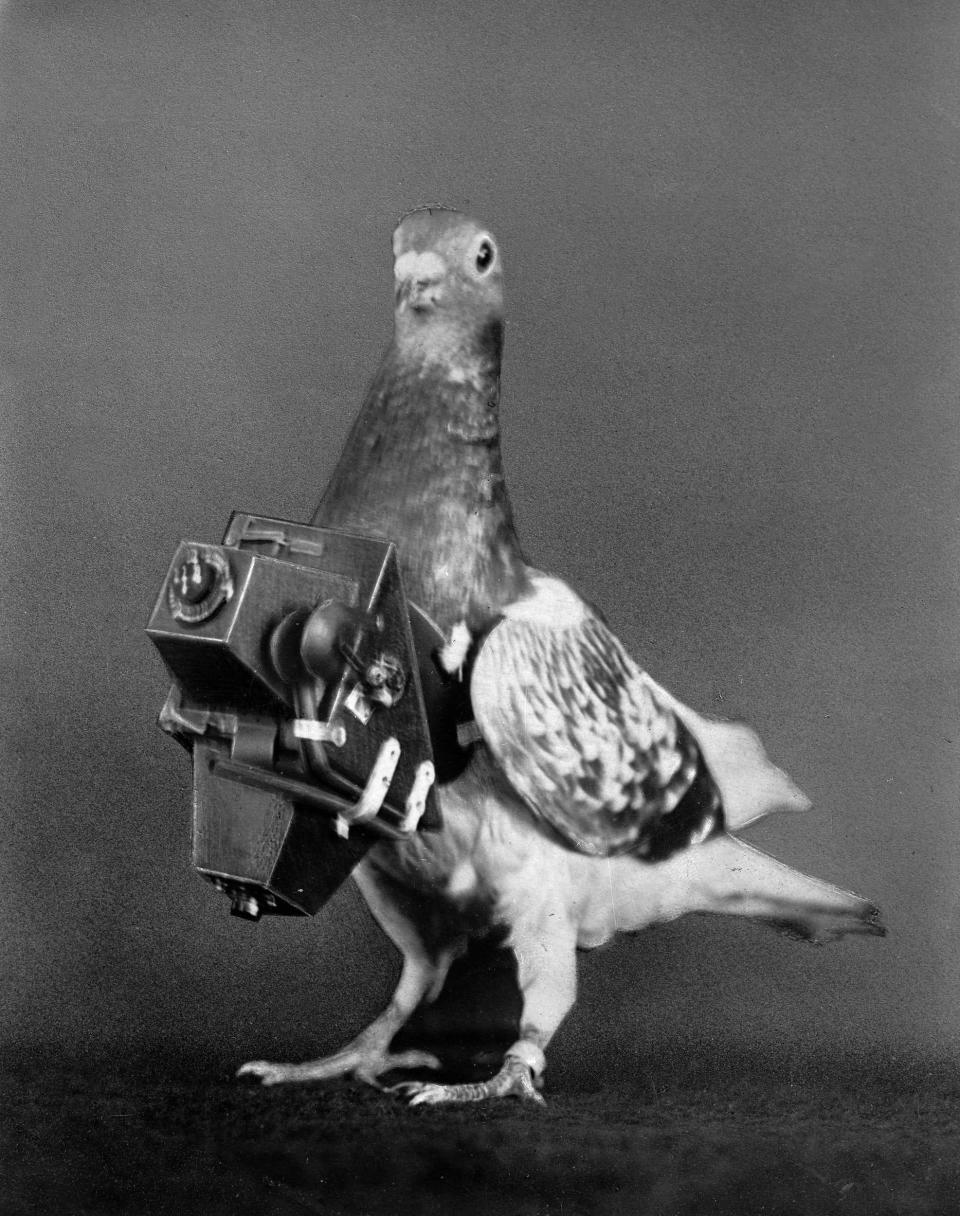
pixel 484 258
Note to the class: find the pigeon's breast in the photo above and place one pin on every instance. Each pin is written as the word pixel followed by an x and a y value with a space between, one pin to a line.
pixel 422 468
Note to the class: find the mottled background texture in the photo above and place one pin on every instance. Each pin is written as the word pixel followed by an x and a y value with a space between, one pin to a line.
pixel 730 412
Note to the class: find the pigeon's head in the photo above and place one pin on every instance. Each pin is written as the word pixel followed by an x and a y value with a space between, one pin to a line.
pixel 448 284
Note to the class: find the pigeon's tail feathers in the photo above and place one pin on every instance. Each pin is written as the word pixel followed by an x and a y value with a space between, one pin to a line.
pixel 736 879
pixel 750 785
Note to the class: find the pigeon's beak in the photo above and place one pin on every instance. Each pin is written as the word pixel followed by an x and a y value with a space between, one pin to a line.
pixel 419 279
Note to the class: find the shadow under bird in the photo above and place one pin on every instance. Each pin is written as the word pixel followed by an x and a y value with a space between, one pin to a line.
pixel 593 802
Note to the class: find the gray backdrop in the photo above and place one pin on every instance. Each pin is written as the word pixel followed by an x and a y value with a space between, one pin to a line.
pixel 730 418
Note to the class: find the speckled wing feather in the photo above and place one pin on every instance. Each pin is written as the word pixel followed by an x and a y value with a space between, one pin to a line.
pixel 583 735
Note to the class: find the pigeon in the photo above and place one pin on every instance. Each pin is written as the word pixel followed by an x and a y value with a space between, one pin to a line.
pixel 593 801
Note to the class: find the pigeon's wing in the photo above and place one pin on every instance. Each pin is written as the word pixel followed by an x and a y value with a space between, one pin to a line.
pixel 580 733
pixel 596 748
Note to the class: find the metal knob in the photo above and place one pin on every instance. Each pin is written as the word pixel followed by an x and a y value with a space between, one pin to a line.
pixel 199 585
pixel 326 638
pixel 284 647
pixel 193 579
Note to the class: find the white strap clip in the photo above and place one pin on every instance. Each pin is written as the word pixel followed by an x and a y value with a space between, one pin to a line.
pixel 416 802
pixel 374 792
pixel 320 732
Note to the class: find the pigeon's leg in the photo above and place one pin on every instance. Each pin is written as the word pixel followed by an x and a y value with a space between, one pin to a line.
pixel 422 975
pixel 547 976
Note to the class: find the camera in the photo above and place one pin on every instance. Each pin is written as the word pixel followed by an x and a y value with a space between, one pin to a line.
pixel 307 691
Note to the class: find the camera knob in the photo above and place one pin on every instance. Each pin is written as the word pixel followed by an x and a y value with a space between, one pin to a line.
pixel 325 642
pixel 199 585
pixel 193 579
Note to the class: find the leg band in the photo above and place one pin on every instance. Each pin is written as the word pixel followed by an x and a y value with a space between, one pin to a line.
pixel 530 1054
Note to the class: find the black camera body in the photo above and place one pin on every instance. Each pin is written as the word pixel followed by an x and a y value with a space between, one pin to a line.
pixel 307 690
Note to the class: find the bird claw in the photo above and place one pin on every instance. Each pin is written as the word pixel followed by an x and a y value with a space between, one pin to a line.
pixel 407 1089
pixel 405 1059
pixel 513 1080
pixel 365 1067
pixel 268 1074
pixel 432 1095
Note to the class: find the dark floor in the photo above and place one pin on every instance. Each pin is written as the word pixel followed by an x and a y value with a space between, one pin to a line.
pixel 694 1138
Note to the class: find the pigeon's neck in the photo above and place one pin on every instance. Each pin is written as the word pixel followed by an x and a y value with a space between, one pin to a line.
pixel 422 467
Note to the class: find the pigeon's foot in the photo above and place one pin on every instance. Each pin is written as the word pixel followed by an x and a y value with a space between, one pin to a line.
pixel 366 1066
pixel 518 1078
